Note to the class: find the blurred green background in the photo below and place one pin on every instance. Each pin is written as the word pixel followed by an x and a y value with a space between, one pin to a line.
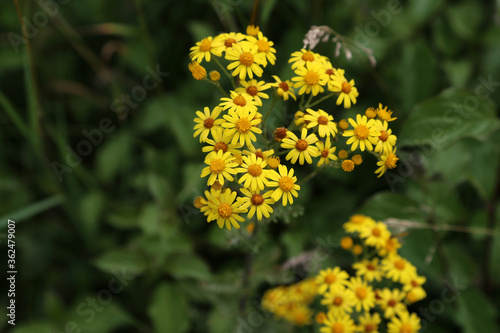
pixel 110 241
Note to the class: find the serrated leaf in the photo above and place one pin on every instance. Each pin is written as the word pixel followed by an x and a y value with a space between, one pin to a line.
pixel 121 260
pixel 168 309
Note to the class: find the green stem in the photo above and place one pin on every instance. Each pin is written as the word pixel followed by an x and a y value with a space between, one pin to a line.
pixel 268 112
pixel 311 175
pixel 225 71
pixel 218 86
pixel 321 100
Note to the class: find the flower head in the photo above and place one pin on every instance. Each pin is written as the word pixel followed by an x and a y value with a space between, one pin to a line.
pixel 220 167
pixel 404 323
pixel 228 40
pixel 365 133
pixel 199 72
pixel 326 152
pixel 329 278
pixel 286 185
pixel 225 210
pixel 238 101
pixel 255 175
pixel 264 46
pixel 301 149
pixel 241 126
pixel 310 79
pixel 204 49
pixel 324 121
pixel 246 60
pixel 364 297
pixel 384 114
pixel 207 123
pixel 220 142
pixel 386 140
pixel 284 88
pixel 348 92
pixel 254 89
pixel 304 57
pixel 257 203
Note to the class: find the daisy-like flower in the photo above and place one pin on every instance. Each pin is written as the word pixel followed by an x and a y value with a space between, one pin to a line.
pixel 384 114
pixel 357 223
pixel 310 78
pixel 348 92
pixel 342 323
pixel 254 89
pixel 301 149
pixel 255 176
pixel 257 203
pixel 220 142
pixel 300 121
pixel 365 133
pixel 375 234
pixel 202 202
pixel 273 162
pixel 199 72
pixel 368 323
pixel 204 49
pixel 246 60
pixel 398 269
pixel 404 323
pixel 238 101
pixel 286 183
pixel 330 278
pixel 330 71
pixel 300 315
pixel 207 122
pixel 339 300
pixel 284 88
pixel 303 57
pixel 364 296
pixel 387 161
pixel 241 126
pixel 391 302
pixel 326 152
pixel 323 120
pixel 225 210
pixel 264 46
pixel 264 155
pixel 386 140
pixel 414 290
pixel 220 166
pixel 368 269
pixel 391 246
pixel 274 298
pixel 227 40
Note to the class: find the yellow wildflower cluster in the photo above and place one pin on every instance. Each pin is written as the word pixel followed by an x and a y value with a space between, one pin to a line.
pixel 240 149
pixel 374 293
pixel 292 302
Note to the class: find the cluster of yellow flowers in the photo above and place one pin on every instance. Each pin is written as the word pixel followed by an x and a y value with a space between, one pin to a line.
pixel 239 151
pixel 381 284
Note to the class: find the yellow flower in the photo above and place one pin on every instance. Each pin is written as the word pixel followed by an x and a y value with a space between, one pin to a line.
pixel 414 290
pixel 252 30
pixel 386 140
pixel 204 49
pixel 202 202
pixel 371 113
pixel 250 227
pixel 301 149
pixel 357 223
pixel 285 181
pixel 300 122
pixel 387 161
pixel 300 315
pixel 254 89
pixel 227 40
pixel 391 302
pixel 347 165
pixel 255 176
pixel 199 72
pixel 346 242
pixel 246 60
pixel 364 296
pixel 398 269
pixel 264 155
pixel 369 323
pixel 225 210
pixel 310 79
pixel 348 92
pixel 339 300
pixel 326 152
pixel 330 71
pixel 406 323
pixel 214 76
pixel 264 46
pixel 375 234
pixel 338 324
pixel 320 317
pixel 364 134
pixel 324 121
pixel 357 159
pixel 280 133
pixel 330 278
pixel 283 88
pixel 241 126
pixel 274 298
pixel 207 122
pixel 368 269
pixel 220 166
pixel 220 142
pixel 257 203
pixel 343 124
pixel 357 249
pixel 303 57
pixel 391 246
pixel 343 154
pixel 384 114
pixel 238 101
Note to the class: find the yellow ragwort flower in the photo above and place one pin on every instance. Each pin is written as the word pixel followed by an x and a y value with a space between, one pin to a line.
pixel 254 89
pixel 404 323
pixel 310 79
pixel 264 46
pixel 398 269
pixel 238 101
pixel 386 140
pixel 303 57
pixel 225 210
pixel 246 60
pixel 375 234
pixel 387 161
pixel 357 223
pixel 286 185
pixel 220 142
pixel 326 152
pixel 364 133
pixel 204 49
pixel 348 92
pixel 220 167
pixel 199 72
pixel 257 204
pixel 384 114
pixel 339 300
pixel 391 302
pixel 368 269
pixel 207 123
pixel 241 126
pixel 324 121
pixel 364 296
pixel 368 323
pixel 301 149
pixel 284 88
pixel 329 278
pixel 342 323
pixel 255 175
pixel 227 40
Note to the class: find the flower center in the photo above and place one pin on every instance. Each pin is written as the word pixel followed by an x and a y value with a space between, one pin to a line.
pixel 255 170
pixel 284 86
pixel 383 136
pixel 329 71
pixel 240 100
pixel 300 318
pixel 257 200
pixel 346 88
pixel 325 153
pixel 205 45
pixel 246 59
pixel 376 232
pixel 361 132
pixel 406 328
pixel 286 183
pixel 243 125
pixel 301 145
pixel 390 163
pixel 217 165
pixel 208 123
pixel 414 283
pixel 370 267
pixel 338 328
pixel 229 42
pixel 361 292
pixel 338 301
pixel 399 264
pixel 220 146
pixel 391 303
pixel 262 45
pixel 322 120
pixel 311 78
pixel 369 328
pixel 252 90
pixel 259 153
pixel 330 278
pixel 225 210
pixel 308 56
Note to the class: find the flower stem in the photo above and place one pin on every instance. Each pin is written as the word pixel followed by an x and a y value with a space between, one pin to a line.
pixel 225 71
pixel 319 100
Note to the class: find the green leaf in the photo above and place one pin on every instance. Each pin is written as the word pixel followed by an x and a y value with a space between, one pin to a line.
pixel 458 72
pixel 149 219
pixel 38 327
pixel 392 205
pixel 476 313
pixel 120 259
pixel 113 156
pixel 465 18
pixel 106 317
pixel 91 207
pixel 187 266
pixel 168 309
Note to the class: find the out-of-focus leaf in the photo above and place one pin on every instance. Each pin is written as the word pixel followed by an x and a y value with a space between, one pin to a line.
pixel 458 72
pixel 91 207
pixel 121 260
pixel 149 219
pixel 168 309
pixel 392 205
pixel 39 327
pixel 111 315
pixel 465 18
pixel 113 156
pixel 476 313
pixel 187 266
